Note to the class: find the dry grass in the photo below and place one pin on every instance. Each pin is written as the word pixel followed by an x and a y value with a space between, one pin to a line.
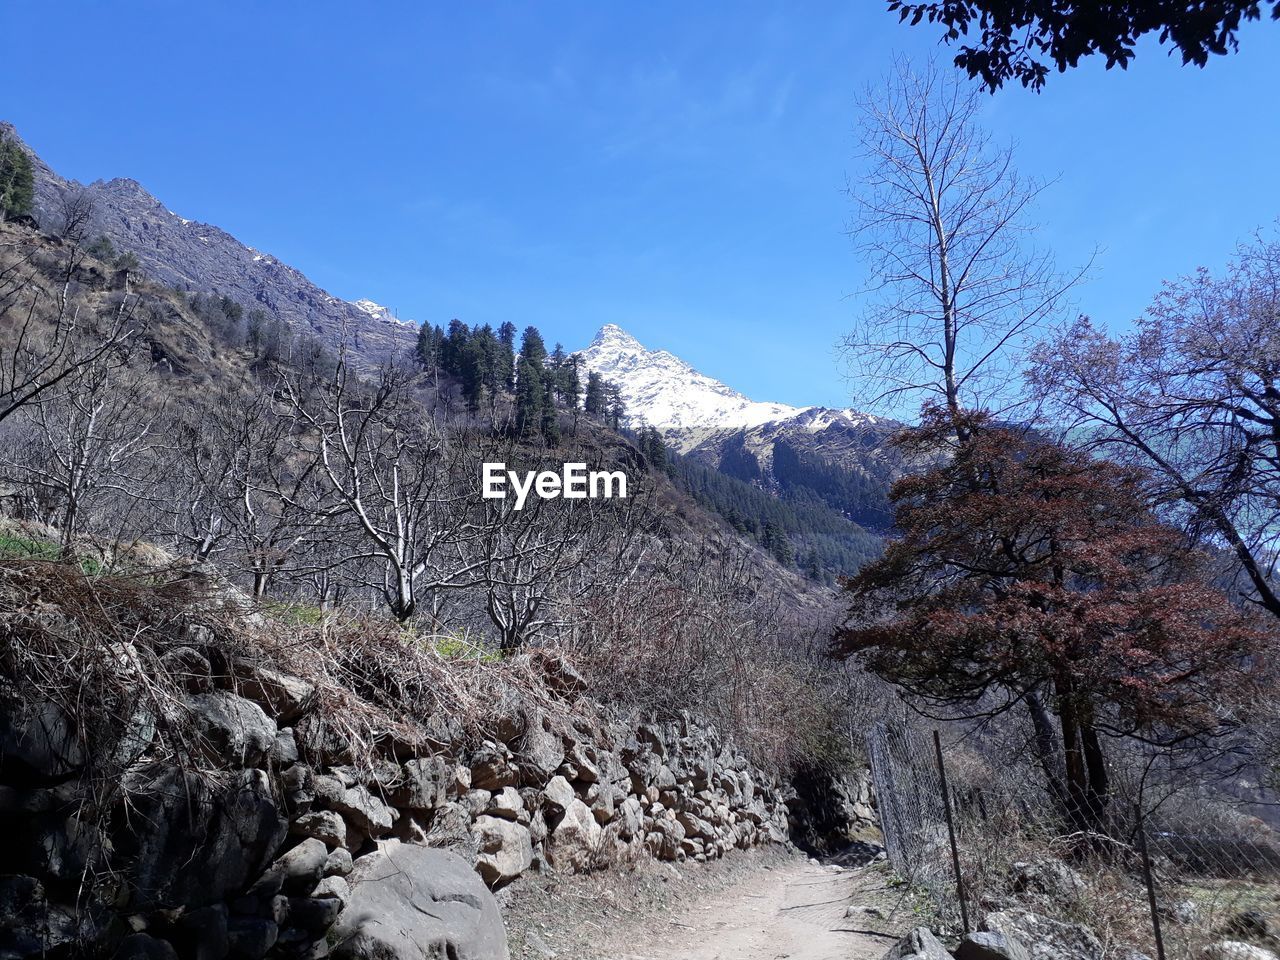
pixel 96 647
pixel 735 654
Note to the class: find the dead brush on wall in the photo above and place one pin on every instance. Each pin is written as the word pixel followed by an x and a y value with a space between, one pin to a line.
pixel 111 652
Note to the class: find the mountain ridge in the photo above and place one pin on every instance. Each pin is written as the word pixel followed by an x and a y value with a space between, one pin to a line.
pixel 836 457
pixel 200 257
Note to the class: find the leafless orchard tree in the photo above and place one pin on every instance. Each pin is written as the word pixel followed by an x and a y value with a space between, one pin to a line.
pixel 541 559
pixel 87 442
pixel 402 479
pixel 44 339
pixel 942 222
pixel 242 487
pixel 1193 396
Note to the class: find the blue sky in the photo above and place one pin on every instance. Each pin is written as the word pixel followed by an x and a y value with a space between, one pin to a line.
pixel 677 169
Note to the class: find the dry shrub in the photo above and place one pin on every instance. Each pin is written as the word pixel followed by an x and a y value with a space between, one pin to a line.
pixel 706 635
pixel 1214 858
pixel 95 647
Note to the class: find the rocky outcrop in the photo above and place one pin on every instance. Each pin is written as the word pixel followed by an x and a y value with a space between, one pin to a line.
pixel 1022 935
pixel 830 810
pixel 919 944
pixel 275 836
pixel 1045 938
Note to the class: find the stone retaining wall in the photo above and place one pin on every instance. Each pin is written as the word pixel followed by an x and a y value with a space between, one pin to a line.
pixel 248 849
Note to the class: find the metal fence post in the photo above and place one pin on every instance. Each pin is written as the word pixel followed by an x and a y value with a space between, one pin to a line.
pixel 1151 887
pixel 951 831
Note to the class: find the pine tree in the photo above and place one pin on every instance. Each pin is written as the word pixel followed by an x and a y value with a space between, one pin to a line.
pixel 17 181
pixel 530 394
pixel 653 448
pixel 571 389
pixel 430 339
pixel 507 355
pixel 452 348
pixel 595 404
pixel 550 418
pixel 471 372
pixel 777 543
pixel 533 349
pixel 615 406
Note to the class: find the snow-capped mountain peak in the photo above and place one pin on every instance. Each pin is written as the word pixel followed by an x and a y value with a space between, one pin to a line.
pixel 663 391
pixel 377 311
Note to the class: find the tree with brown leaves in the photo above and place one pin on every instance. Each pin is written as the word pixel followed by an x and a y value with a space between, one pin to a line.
pixel 1031 574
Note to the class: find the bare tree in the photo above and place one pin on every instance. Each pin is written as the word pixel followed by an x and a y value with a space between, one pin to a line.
pixel 85 441
pixel 400 478
pixel 242 487
pixel 942 222
pixel 44 340
pixel 552 552
pixel 1193 396
pixel 76 209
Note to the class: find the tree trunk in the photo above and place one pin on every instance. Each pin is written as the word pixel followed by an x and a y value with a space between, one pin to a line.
pixel 1046 748
pixel 1087 783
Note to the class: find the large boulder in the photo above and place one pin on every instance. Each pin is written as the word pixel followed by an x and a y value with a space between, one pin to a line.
pixel 285 698
pixel 558 794
pixel 990 946
pixel 365 812
pixel 492 770
pixel 450 828
pixel 508 804
pixel 506 850
pixel 39 745
pixel 630 818
pixel 1044 937
pixel 423 783
pixel 298 869
pixel 540 749
pixel 325 825
pixel 410 902
pixel 234 731
pixel 202 841
pixel 670 839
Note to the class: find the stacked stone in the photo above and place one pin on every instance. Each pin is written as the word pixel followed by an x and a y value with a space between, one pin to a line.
pixel 278 847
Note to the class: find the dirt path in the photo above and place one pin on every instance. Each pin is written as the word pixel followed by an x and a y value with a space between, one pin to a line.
pixel 763 904
pixel 795 911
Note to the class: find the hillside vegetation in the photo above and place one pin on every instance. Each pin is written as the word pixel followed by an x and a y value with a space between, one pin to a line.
pixel 215 437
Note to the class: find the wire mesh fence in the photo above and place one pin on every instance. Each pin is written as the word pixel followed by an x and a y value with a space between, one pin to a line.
pixel 1185 863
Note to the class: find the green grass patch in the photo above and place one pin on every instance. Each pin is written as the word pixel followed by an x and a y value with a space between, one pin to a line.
pixel 295 614
pixel 16 547
pixel 456 646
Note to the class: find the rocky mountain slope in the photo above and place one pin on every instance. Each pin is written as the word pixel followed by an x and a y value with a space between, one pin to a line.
pixel 200 257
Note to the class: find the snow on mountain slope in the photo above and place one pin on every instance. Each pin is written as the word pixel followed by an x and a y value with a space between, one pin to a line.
pixel 378 312
pixel 663 391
